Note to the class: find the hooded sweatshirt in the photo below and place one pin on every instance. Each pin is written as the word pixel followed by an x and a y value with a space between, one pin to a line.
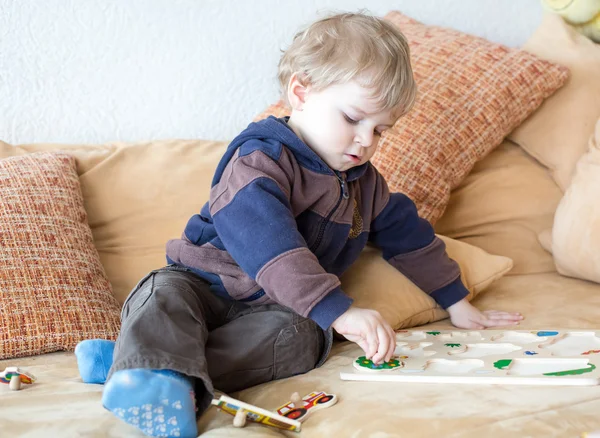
pixel 281 227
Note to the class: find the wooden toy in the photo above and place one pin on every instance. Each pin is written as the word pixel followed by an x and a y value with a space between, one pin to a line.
pixel 14 376
pixel 288 417
pixel 15 383
pixel 243 412
pixel 301 409
pixel 545 357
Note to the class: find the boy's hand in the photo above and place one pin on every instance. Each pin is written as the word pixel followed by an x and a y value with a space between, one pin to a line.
pixel 369 330
pixel 464 315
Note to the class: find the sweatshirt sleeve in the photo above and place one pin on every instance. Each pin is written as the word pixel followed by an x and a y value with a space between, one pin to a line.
pixel 408 242
pixel 251 211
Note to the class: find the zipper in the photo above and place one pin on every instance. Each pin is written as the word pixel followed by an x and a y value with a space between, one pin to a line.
pixel 343 195
pixel 343 185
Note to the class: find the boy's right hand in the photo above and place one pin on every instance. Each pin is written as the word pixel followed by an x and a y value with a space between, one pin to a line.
pixel 369 330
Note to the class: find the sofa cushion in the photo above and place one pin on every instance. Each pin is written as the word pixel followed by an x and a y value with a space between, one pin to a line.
pixel 502 206
pixel 140 195
pixel 557 133
pixel 472 93
pixel 576 230
pixel 53 289
pixel 375 284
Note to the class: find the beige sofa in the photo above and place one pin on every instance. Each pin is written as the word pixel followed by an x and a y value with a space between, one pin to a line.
pixel 138 196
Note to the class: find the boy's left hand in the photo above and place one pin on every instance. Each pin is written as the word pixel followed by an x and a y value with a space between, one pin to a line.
pixel 464 315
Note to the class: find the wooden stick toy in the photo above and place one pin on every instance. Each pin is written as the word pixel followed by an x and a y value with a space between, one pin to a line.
pixel 14 376
pixel 288 417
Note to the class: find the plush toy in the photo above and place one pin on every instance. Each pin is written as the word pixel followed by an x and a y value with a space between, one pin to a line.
pixel 583 15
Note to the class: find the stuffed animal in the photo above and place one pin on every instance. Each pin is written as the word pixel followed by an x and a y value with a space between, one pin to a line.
pixel 583 15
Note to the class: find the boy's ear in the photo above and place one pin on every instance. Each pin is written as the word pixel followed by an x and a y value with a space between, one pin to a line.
pixel 297 90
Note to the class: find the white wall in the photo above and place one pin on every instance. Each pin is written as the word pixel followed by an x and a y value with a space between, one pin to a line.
pixel 101 70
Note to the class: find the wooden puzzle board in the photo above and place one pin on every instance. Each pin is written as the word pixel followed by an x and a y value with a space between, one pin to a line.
pixel 538 357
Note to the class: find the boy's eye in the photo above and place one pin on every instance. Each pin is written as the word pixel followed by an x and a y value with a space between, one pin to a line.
pixel 350 120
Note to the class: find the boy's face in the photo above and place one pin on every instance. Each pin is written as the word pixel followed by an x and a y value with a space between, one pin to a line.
pixel 341 123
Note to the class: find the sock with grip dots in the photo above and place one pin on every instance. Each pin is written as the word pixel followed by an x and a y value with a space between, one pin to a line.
pixel 158 402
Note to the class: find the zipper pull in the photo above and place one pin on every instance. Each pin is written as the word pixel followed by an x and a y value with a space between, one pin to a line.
pixel 344 186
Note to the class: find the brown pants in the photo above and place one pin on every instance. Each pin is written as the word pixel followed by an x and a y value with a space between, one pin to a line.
pixel 172 320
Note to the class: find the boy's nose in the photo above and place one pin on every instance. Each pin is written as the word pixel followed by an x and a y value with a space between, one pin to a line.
pixel 365 138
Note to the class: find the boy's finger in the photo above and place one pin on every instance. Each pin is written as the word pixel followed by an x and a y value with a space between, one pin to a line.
pixel 365 347
pixel 478 323
pixel 372 344
pixel 392 348
pixel 496 314
pixel 500 322
pixel 502 315
pixel 382 345
pixel 510 318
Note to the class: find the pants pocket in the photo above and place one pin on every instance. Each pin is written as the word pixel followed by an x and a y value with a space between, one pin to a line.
pixel 297 349
pixel 138 296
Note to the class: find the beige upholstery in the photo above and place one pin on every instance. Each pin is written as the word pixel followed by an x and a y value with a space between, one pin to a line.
pixel 557 133
pixel 502 206
pixel 403 410
pixel 576 230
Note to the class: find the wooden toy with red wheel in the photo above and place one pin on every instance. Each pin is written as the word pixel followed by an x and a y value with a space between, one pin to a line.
pixel 288 417
pixel 299 409
pixel 14 376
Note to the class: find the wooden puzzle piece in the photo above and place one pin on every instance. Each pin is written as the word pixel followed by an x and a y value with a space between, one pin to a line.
pixel 300 410
pixel 14 377
pixel 288 417
pixel 364 364
pixel 242 411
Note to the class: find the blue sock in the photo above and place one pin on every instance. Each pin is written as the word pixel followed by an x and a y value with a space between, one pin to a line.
pixel 158 402
pixel 94 359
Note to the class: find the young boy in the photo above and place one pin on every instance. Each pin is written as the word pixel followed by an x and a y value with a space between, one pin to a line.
pixel 252 291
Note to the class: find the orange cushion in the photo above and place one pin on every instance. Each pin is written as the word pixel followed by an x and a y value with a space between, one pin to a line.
pixel 472 93
pixel 53 289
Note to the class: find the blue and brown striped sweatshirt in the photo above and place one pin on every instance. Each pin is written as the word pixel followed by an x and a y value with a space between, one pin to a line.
pixel 281 226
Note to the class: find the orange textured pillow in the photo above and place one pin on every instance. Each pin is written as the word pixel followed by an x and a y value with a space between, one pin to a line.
pixel 472 93
pixel 53 289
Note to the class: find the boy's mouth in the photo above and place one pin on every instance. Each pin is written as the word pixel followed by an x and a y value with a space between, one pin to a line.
pixel 354 158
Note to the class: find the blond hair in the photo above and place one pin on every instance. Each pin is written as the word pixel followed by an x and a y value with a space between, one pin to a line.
pixel 352 46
